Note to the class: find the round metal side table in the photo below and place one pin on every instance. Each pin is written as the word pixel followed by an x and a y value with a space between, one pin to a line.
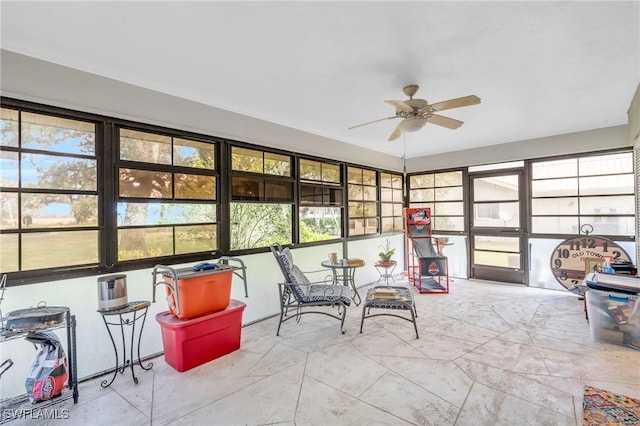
pixel 385 269
pixel 128 316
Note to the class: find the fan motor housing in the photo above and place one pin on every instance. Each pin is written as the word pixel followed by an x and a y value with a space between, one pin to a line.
pixel 410 90
pixel 413 124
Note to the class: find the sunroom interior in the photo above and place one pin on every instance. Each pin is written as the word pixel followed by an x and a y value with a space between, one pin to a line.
pixel 117 157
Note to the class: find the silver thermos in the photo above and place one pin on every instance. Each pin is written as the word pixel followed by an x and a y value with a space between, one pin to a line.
pixel 112 292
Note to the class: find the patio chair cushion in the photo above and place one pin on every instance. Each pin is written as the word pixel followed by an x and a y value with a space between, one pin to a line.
pixel 287 253
pixel 323 293
pixel 286 265
pixel 318 292
pixel 297 276
pixel 303 290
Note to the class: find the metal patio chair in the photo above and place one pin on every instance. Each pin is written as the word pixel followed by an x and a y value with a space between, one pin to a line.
pixel 298 293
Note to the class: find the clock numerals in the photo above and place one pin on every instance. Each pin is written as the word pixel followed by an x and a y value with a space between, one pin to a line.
pixel 575 257
pixel 585 243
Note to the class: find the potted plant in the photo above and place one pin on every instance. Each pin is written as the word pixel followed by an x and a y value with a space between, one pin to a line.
pixel 386 253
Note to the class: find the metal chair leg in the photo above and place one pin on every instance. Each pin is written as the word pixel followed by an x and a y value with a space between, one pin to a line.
pixel 415 325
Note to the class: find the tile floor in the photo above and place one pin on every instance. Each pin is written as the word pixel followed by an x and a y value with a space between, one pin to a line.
pixel 488 354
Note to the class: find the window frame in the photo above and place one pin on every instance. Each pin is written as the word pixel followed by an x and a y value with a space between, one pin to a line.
pixel 321 184
pixel 464 200
pixel 364 217
pixel 173 170
pixel 578 196
pixel 107 157
pixel 266 178
pixel 29 276
pixel 393 202
pixel 107 152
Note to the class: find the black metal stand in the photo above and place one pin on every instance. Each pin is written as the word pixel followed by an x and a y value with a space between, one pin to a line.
pixel 13 406
pixel 72 351
pixel 138 311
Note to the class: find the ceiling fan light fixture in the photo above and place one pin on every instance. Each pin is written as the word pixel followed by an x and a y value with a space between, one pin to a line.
pixel 416 112
pixel 413 124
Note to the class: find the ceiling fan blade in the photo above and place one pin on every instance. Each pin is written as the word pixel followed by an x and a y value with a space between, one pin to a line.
pixel 449 123
pixel 374 121
pixel 397 132
pixel 400 106
pixel 456 103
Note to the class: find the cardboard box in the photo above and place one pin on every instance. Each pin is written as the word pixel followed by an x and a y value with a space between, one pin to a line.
pixel 189 343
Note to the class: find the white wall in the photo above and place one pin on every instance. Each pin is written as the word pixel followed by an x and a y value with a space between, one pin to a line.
pixel 95 352
pixel 31 79
pixel 570 143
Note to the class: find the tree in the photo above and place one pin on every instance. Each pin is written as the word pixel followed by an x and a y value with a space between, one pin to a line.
pixel 66 172
pixel 259 225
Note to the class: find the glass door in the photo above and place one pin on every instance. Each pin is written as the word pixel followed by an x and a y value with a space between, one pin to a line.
pixel 497 234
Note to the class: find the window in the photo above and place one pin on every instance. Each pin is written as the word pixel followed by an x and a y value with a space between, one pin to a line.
pixel 166 196
pixel 256 184
pixel 595 190
pixel 82 194
pixel 487 211
pixel 363 201
pixel 256 225
pixel 442 193
pixel 250 160
pixel 262 199
pixel 496 200
pixel 391 202
pixel 48 192
pixel 320 207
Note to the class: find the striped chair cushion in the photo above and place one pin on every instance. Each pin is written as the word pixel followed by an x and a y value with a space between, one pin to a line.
pixel 287 266
pixel 302 288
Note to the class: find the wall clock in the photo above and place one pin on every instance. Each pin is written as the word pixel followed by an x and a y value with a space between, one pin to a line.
pixel 575 257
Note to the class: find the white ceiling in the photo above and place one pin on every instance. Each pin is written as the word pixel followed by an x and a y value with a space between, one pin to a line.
pixel 540 68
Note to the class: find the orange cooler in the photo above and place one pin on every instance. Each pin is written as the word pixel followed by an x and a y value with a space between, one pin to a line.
pixel 189 343
pixel 198 293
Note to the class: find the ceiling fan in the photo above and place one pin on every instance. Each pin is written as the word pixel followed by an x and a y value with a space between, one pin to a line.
pixel 415 113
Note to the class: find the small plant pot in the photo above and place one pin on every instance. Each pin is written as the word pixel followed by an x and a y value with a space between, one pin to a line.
pixel 384 259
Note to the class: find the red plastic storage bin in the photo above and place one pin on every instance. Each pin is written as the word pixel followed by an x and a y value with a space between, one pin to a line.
pixel 189 343
pixel 200 292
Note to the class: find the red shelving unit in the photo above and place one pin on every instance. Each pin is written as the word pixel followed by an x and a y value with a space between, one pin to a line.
pixel 427 270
